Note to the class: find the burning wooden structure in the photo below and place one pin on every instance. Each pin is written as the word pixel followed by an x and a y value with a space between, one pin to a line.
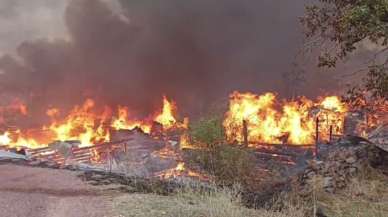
pixel 285 131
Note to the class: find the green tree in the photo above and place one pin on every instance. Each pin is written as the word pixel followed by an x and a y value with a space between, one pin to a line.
pixel 339 26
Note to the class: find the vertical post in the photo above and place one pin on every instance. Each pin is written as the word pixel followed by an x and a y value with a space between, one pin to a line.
pixel 317 130
pixel 331 133
pixel 366 120
pixel 245 133
pixel 110 160
pixel 316 136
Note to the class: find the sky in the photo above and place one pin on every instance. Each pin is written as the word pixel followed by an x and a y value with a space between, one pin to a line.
pixel 132 52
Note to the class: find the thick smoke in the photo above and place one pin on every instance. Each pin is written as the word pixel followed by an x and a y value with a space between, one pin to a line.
pixel 195 51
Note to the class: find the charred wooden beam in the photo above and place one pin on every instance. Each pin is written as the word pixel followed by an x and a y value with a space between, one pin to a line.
pixel 245 133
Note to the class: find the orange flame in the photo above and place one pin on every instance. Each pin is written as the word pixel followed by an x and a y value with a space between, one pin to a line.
pixel 81 124
pixel 166 117
pixel 332 114
pixel 292 124
pixel 123 123
pixel 5 139
pixel 17 139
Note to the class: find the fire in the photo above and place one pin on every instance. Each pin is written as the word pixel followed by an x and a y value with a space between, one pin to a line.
pixel 173 173
pixel 166 118
pixel 379 114
pixel 81 124
pixel 180 167
pixel 122 122
pixel 4 139
pixel 374 109
pixel 184 142
pixel 332 114
pixel 96 157
pixel 297 124
pixel 52 112
pixel 270 122
pixel 266 119
pixel 179 171
pixel 246 107
pixel 88 126
pixel 18 139
pixel 333 103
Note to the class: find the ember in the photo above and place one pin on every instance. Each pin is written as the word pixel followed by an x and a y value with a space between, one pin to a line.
pixel 179 171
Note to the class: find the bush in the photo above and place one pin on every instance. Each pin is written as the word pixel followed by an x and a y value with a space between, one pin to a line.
pixel 207 132
pixel 227 164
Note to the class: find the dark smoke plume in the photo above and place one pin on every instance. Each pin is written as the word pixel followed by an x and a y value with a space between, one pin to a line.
pixel 194 51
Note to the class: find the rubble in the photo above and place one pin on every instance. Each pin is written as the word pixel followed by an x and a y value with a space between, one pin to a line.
pixel 379 137
pixel 134 184
pixel 10 155
pixel 141 155
pixel 339 164
pixel 64 148
pixel 354 123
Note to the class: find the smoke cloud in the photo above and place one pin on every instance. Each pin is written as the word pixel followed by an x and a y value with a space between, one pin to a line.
pixel 133 52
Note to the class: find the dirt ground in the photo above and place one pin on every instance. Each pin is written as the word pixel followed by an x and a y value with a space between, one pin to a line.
pixel 38 192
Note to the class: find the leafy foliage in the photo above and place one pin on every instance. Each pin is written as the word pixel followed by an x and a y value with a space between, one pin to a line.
pixel 377 81
pixel 227 163
pixel 208 131
pixel 346 23
pixel 338 26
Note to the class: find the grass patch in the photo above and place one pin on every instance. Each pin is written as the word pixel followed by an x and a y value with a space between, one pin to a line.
pixel 220 203
pixel 366 195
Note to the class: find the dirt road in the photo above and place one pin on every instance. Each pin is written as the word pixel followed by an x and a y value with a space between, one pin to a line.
pixel 38 192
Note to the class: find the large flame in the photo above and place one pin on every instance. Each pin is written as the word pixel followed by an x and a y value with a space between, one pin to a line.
pixel 122 122
pixel 81 124
pixel 88 126
pixel 268 121
pixel 167 117
pixel 331 116
pixel 18 138
pixel 5 139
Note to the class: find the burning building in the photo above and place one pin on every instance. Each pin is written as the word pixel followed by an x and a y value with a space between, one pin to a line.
pixel 288 122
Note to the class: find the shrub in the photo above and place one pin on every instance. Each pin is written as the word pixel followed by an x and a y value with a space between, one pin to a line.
pixel 226 163
pixel 207 132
